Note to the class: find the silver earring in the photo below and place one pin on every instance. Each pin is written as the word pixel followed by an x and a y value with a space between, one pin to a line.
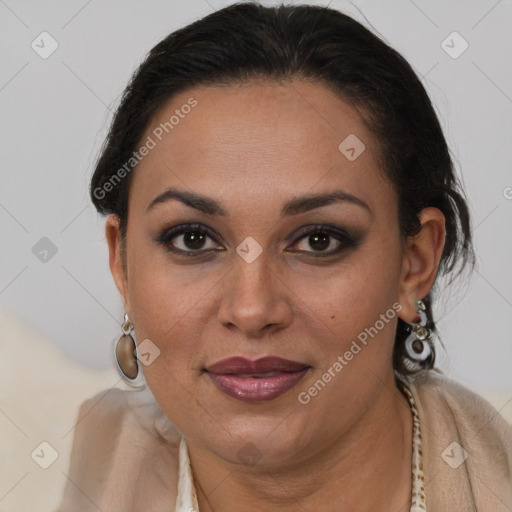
pixel 125 356
pixel 418 345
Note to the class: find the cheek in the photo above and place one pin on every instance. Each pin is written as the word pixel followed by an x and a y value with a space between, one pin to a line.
pixel 165 306
pixel 161 293
pixel 357 310
pixel 360 290
pixel 354 345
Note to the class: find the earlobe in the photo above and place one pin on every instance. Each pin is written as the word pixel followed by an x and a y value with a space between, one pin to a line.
pixel 113 236
pixel 421 261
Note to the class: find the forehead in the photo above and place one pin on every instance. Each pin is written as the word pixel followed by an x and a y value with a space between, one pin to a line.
pixel 259 137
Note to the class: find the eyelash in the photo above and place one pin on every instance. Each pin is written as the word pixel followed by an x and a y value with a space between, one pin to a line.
pixel 341 236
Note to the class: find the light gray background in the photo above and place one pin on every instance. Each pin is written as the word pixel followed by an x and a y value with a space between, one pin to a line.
pixel 55 113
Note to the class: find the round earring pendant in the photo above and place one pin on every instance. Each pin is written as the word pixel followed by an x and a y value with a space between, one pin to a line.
pixel 125 356
pixel 417 349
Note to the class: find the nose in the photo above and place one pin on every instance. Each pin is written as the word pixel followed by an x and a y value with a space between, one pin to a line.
pixel 255 298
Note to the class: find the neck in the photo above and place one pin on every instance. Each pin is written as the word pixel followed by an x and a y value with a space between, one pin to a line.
pixel 367 469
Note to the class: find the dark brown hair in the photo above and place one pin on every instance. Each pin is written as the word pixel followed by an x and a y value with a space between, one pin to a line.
pixel 246 41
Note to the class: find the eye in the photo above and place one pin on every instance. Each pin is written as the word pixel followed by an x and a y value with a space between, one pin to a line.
pixel 188 239
pixel 192 240
pixel 324 240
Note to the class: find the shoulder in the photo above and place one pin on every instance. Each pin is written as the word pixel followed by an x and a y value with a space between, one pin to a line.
pixel 437 392
pixel 107 417
pixel 125 454
pixel 467 443
pixel 138 408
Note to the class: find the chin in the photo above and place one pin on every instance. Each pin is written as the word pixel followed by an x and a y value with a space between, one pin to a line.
pixel 268 442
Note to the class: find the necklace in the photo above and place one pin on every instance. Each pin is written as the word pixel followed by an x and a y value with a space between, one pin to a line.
pixel 418 498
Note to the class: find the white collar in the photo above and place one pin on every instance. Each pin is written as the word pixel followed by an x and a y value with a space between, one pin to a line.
pixel 186 500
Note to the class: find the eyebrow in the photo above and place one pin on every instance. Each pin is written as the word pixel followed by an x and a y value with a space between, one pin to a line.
pixel 293 206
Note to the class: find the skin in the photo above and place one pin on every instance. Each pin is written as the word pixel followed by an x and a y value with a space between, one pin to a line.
pixel 252 148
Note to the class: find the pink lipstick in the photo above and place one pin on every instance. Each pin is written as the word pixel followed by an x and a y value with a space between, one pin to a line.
pixel 256 381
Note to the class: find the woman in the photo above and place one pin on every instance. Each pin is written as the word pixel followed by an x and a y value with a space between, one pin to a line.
pixel 281 201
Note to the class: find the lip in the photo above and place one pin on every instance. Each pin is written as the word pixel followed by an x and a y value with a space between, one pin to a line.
pixel 256 381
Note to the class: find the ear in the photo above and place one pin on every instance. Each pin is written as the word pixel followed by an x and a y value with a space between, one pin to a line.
pixel 113 235
pixel 422 254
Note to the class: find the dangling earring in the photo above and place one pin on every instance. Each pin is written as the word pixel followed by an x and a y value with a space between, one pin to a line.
pixel 125 355
pixel 418 345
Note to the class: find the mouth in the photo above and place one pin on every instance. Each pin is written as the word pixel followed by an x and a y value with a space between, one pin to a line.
pixel 256 381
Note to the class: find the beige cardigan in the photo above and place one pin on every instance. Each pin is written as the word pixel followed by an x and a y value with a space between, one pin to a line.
pixel 125 454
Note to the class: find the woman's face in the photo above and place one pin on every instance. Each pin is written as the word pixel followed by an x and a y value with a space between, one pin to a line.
pixel 259 282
